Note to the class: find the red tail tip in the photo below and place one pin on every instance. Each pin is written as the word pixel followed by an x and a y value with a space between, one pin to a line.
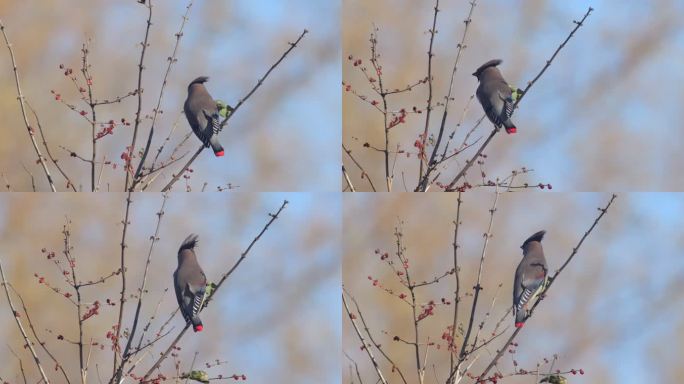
pixel 511 130
pixel 199 328
pixel 219 153
pixel 519 325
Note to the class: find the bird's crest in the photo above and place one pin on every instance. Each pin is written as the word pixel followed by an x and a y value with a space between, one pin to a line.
pixel 200 80
pixel 490 63
pixel 536 237
pixel 190 242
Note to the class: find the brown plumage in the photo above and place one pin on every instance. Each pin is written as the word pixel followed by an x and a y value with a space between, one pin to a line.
pixel 190 283
pixel 203 114
pixel 495 95
pixel 530 276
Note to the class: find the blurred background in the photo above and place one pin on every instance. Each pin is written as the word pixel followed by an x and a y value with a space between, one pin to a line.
pixel 285 138
pixel 276 318
pixel 604 116
pixel 613 312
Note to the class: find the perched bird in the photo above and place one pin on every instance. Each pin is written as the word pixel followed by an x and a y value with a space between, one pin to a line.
pixel 530 276
pixel 190 283
pixel 202 113
pixel 495 95
pixel 554 379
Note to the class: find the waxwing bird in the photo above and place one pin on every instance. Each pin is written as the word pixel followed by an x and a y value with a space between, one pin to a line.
pixel 495 95
pixel 190 283
pixel 202 113
pixel 554 379
pixel 530 277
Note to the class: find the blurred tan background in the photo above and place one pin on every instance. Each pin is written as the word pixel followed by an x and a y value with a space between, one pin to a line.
pixel 613 312
pixel 604 116
pixel 285 138
pixel 267 321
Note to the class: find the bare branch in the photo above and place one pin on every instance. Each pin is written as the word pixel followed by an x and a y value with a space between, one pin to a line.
pixel 428 107
pixel 122 300
pixel 346 178
pixel 363 172
pixel 365 347
pixel 457 292
pixel 20 96
pixel 70 184
pixel 139 91
pixel 15 314
pixel 172 59
pixel 423 180
pixel 141 292
pixel 58 365
pixel 478 287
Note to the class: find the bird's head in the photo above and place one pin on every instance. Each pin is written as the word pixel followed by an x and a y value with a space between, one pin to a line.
pixel 536 237
pixel 187 248
pixel 490 63
pixel 199 80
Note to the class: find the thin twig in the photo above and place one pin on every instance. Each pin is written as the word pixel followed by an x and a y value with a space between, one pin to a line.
pixel 375 61
pixel 422 184
pixel 358 165
pixel 141 292
pixel 346 178
pixel 172 59
pixel 372 339
pixel 42 344
pixel 139 90
pixel 457 293
pixel 356 367
pixel 28 344
pixel 20 97
pixel 33 179
pixel 70 184
pixel 428 107
pixel 91 102
pixel 163 144
pixel 71 262
pixel 351 317
pixel 122 267
pixel 478 287
pixel 21 365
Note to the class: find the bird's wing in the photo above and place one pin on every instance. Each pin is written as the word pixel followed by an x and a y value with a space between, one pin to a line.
pixel 507 99
pixel 197 294
pixel 213 122
pixel 179 293
pixel 205 130
pixel 530 284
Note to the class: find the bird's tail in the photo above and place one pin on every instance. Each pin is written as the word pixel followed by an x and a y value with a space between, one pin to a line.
pixel 216 146
pixel 196 324
pixel 520 317
pixel 510 127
